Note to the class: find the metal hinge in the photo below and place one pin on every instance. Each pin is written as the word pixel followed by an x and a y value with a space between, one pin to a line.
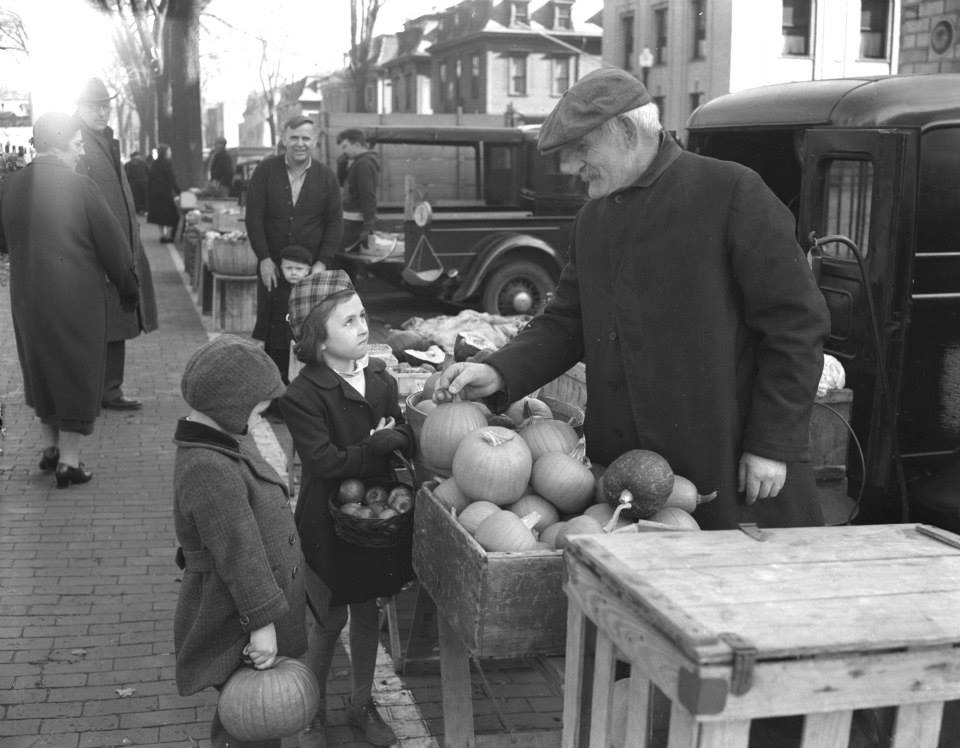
pixel 744 657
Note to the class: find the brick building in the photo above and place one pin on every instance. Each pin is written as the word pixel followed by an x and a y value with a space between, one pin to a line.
pixel 930 36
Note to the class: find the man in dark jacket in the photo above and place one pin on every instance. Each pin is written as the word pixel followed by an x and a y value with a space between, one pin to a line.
pixel 691 303
pixel 291 199
pixel 136 170
pixel 360 186
pixel 221 165
pixel 101 162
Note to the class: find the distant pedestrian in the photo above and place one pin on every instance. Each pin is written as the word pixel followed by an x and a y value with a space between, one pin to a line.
pixel 344 415
pixel 162 188
pixel 220 166
pixel 63 242
pixel 241 597
pixel 101 162
pixel 360 186
pixel 137 170
pixel 291 199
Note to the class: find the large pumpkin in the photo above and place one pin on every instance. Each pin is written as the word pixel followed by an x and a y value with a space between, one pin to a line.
pixel 544 435
pixel 444 427
pixel 266 704
pixel 492 464
pixel 564 481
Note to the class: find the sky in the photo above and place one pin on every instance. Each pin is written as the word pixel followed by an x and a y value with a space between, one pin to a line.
pixel 69 43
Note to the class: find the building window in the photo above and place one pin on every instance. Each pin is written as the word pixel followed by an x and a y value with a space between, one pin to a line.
pixel 796 27
pixel 410 88
pixel 874 18
pixel 517 65
pixel 629 43
pixel 560 77
pixel 395 86
pixel 518 13
pixel 443 85
pixel 849 197
pixel 475 77
pixel 699 18
pixel 696 99
pixel 561 16
pixel 660 34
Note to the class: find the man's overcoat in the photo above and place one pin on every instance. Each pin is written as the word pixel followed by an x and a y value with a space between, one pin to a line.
pixel 274 222
pixel 101 162
pixel 701 327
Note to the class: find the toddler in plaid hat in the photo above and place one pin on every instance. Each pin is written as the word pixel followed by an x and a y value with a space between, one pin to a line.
pixel 343 412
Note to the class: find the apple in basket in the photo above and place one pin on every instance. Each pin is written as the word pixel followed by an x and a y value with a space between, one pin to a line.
pixel 387 512
pixel 400 499
pixel 375 495
pixel 364 512
pixel 351 491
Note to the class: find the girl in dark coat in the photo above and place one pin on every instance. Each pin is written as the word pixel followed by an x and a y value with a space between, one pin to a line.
pixel 344 415
pixel 64 243
pixel 242 590
pixel 161 190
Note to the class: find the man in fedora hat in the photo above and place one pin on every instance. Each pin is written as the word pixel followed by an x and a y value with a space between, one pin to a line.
pixel 691 303
pixel 102 163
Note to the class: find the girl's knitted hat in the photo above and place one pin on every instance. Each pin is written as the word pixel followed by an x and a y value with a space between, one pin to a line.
pixel 225 378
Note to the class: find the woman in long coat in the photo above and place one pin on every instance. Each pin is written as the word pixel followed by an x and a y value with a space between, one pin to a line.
pixel 64 245
pixel 161 189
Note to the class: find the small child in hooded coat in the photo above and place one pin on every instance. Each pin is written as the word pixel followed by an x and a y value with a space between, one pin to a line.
pixel 242 594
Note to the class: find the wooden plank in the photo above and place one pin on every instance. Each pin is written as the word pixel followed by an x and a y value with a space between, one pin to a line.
pixel 684 729
pixel 573 676
pixel 639 712
pixel 520 739
pixel 717 734
pixel 827 730
pixel 602 701
pixel 457 689
pixel 918 725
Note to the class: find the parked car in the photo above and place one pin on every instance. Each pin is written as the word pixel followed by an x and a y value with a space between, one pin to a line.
pixel 871 167
pixel 485 219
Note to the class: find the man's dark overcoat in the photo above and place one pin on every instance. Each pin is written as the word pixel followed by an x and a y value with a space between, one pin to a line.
pixel 330 422
pixel 101 162
pixel 162 187
pixel 242 554
pixel 701 326
pixel 274 222
pixel 64 245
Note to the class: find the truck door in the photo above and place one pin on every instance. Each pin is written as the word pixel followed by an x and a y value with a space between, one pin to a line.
pixel 862 184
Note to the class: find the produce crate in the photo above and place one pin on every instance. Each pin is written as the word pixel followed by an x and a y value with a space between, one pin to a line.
pixel 816 622
pixel 232 257
pixel 498 604
pixel 570 387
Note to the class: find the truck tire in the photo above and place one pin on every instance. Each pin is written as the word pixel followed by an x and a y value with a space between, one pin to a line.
pixel 519 287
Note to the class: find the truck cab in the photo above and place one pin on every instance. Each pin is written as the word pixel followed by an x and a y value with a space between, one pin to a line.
pixel 483 219
pixel 870 168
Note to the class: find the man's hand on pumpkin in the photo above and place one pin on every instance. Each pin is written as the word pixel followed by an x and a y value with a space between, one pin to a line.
pixel 467 381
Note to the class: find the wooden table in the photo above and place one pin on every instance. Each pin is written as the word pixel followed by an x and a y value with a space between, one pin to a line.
pixel 816 622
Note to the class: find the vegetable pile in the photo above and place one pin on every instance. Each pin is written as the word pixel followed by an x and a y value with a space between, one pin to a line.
pixel 521 481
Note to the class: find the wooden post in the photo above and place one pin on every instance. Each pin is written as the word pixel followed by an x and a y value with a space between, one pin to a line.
pixel 409 196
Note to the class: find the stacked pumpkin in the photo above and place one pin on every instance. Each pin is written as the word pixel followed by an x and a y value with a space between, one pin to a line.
pixel 521 481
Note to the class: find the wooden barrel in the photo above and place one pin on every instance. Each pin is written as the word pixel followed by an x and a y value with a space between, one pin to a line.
pixel 232 258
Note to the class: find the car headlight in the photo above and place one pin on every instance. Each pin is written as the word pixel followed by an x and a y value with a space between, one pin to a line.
pixel 422 213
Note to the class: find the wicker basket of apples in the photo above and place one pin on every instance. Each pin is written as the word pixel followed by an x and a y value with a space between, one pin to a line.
pixel 374 513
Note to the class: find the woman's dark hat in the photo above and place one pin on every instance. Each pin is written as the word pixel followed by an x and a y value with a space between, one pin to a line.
pixel 309 292
pixel 94 91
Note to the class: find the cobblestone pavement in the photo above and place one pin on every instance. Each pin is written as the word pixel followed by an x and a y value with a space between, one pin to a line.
pixel 88 582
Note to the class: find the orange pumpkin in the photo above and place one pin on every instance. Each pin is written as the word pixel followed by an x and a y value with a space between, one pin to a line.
pixel 444 427
pixel 492 464
pixel 564 481
pixel 544 435
pixel 272 703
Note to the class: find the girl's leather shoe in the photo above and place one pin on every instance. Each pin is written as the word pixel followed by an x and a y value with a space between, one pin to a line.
pixel 67 474
pixel 50 458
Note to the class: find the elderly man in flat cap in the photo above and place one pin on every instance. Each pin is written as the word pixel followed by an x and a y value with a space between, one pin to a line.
pixel 102 163
pixel 691 303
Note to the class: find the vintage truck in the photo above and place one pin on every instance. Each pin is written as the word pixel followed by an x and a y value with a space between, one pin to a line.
pixel 871 169
pixel 482 219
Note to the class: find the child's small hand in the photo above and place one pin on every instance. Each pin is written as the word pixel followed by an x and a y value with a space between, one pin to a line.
pixel 262 648
pixel 385 423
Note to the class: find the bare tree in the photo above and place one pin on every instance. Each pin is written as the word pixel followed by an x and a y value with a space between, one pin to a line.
pixel 270 77
pixel 13 36
pixel 363 19
pixel 157 42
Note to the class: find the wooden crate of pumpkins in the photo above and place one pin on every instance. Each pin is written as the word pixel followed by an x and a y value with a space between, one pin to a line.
pixel 488 537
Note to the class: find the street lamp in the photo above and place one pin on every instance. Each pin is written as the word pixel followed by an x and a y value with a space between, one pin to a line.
pixel 646 62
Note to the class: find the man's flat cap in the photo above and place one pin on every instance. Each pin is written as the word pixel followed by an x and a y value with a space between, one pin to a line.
pixel 588 103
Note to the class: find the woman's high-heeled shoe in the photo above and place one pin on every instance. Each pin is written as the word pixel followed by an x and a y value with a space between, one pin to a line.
pixel 67 474
pixel 50 458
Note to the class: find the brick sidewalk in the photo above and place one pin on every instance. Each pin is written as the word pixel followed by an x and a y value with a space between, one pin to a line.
pixel 88 585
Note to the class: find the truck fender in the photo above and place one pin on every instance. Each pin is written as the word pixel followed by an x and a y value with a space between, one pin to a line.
pixel 491 249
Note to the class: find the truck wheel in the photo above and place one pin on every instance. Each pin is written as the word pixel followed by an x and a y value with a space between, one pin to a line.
pixel 517 288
